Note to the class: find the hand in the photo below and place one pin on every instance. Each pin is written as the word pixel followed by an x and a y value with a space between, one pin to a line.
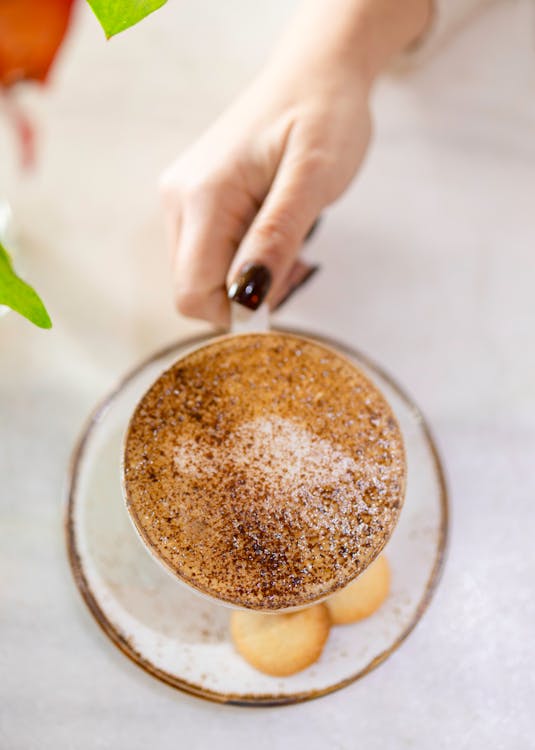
pixel 241 200
pixel 257 181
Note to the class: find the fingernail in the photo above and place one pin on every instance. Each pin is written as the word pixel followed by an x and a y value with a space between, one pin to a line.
pixel 312 271
pixel 251 286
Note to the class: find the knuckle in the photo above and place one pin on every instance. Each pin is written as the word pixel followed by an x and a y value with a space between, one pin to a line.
pixel 279 231
pixel 314 173
pixel 192 181
pixel 187 182
pixel 315 163
pixel 201 188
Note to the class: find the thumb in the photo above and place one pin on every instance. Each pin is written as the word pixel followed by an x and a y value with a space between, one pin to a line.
pixel 270 247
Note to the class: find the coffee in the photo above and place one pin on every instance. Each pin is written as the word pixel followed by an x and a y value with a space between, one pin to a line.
pixel 265 470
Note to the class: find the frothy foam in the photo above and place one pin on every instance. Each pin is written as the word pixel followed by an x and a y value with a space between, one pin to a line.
pixel 286 468
pixel 265 470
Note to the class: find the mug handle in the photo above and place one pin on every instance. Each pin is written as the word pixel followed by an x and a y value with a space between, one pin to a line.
pixel 243 320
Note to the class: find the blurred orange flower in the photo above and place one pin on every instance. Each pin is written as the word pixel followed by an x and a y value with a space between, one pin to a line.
pixel 31 32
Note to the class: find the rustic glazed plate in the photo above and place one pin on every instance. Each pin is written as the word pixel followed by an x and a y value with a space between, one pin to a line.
pixel 183 639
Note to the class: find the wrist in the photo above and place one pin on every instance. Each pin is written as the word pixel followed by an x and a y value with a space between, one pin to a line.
pixel 355 37
pixel 383 29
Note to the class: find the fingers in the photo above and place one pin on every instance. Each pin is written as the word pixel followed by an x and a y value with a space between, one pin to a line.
pixel 261 270
pixel 203 251
pixel 220 239
pixel 204 226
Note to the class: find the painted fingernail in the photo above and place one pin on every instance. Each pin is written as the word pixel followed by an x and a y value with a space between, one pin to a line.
pixel 312 271
pixel 251 286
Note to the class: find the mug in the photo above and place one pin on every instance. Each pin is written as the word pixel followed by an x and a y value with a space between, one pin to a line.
pixel 256 323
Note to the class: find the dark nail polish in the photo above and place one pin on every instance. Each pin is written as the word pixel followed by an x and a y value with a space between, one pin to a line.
pixel 251 286
pixel 312 272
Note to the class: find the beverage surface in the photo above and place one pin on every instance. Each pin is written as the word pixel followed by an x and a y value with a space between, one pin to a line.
pixel 265 470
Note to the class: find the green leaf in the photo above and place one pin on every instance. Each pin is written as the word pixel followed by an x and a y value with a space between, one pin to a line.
pixel 118 15
pixel 18 295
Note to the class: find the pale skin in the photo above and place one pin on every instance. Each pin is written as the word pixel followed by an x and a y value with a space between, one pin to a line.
pixel 251 187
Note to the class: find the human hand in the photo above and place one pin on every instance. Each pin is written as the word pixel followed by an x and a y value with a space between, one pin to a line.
pixel 241 200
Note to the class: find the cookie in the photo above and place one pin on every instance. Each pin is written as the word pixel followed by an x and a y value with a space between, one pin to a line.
pixel 280 644
pixel 362 597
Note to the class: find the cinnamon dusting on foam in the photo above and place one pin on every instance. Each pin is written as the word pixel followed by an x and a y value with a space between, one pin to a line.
pixel 265 470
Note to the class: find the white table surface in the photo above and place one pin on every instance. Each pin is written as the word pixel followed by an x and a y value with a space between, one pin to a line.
pixel 428 265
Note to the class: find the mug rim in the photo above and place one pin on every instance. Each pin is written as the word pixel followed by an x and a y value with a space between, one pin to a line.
pixel 198 345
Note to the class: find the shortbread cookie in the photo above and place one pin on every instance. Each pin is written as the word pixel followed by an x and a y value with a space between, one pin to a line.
pixel 362 597
pixel 280 644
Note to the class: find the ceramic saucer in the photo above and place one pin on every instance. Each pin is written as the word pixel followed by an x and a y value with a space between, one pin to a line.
pixel 183 639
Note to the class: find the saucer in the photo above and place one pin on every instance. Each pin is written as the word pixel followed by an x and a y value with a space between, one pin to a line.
pixel 183 639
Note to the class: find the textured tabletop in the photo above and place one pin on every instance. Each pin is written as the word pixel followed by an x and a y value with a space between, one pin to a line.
pixel 428 266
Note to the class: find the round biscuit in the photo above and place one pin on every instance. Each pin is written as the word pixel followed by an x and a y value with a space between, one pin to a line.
pixel 280 644
pixel 362 597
